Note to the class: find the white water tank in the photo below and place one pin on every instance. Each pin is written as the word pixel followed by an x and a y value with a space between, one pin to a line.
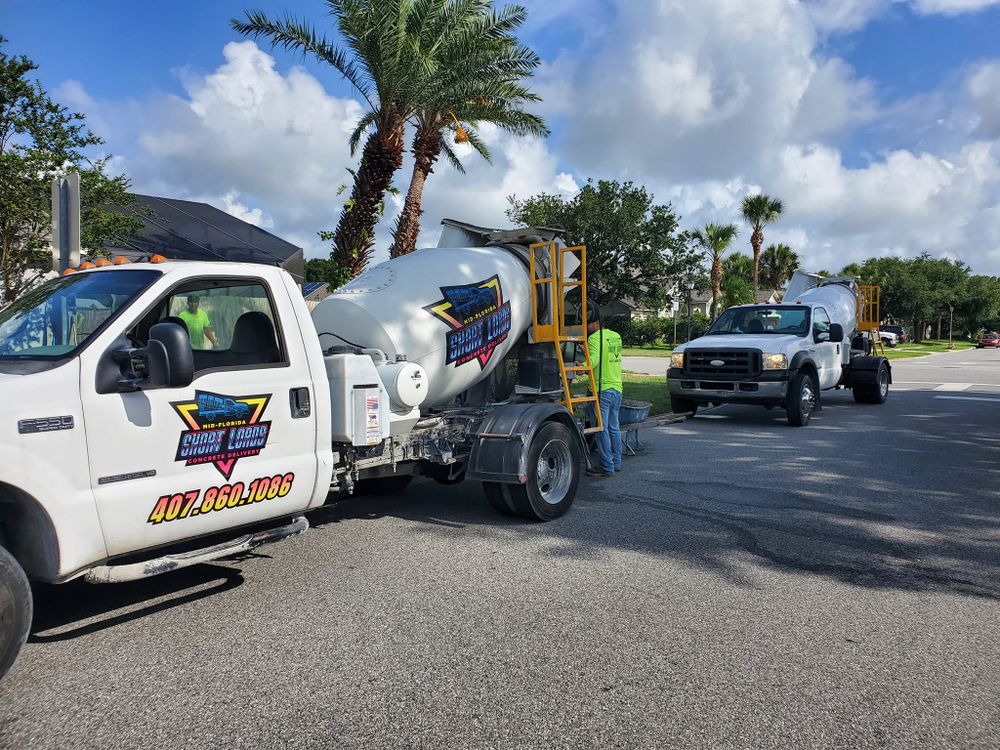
pixel 456 312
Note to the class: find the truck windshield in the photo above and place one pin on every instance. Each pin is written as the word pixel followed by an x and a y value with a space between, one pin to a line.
pixel 787 320
pixel 54 320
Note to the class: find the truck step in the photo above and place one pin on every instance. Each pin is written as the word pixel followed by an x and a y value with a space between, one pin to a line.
pixel 167 563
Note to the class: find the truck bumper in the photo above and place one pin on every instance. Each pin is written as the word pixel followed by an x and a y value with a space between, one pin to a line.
pixel 769 388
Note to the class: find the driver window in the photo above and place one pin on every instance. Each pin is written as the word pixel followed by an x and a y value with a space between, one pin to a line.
pixel 821 321
pixel 229 324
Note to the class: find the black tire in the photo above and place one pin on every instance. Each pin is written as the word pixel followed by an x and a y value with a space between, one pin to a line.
pixel 803 394
pixel 15 610
pixel 384 485
pixel 874 394
pixel 679 405
pixel 498 499
pixel 554 459
pixel 888 342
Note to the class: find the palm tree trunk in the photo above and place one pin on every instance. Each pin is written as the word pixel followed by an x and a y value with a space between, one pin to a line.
pixel 756 241
pixel 355 233
pixel 716 283
pixel 426 149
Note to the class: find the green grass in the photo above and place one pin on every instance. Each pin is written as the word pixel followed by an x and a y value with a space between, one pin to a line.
pixel 640 388
pixel 927 346
pixel 647 350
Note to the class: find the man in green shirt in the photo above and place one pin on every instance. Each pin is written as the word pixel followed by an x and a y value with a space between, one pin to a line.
pixel 606 357
pixel 198 325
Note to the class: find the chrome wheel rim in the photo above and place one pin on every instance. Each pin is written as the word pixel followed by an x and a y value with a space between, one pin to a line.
pixel 554 471
pixel 883 383
pixel 808 398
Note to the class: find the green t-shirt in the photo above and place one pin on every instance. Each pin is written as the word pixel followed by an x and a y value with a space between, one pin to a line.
pixel 196 324
pixel 607 361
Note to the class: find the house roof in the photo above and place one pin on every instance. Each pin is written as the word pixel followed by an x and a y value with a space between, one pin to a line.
pixel 188 230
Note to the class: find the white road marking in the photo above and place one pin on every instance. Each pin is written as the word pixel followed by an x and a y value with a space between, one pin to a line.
pixel 932 382
pixel 953 387
pixel 969 398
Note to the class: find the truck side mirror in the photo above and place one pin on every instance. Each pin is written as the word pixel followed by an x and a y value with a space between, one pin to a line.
pixel 836 333
pixel 169 359
pixel 165 362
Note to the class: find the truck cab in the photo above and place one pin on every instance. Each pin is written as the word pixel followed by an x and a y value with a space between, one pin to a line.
pixel 775 355
pixel 111 449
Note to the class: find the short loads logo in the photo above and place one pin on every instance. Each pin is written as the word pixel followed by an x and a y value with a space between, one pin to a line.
pixel 478 317
pixel 223 429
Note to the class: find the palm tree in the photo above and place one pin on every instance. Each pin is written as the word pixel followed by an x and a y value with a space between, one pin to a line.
pixel 758 211
pixel 387 47
pixel 478 80
pixel 777 265
pixel 737 280
pixel 715 240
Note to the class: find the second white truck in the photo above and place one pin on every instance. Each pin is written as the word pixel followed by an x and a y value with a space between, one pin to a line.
pixel 783 355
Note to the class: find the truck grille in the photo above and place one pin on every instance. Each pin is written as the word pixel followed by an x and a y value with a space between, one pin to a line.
pixel 736 363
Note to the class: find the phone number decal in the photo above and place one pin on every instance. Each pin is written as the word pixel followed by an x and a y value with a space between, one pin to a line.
pixel 219 497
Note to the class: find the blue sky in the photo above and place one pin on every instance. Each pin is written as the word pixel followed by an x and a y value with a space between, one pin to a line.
pixel 876 120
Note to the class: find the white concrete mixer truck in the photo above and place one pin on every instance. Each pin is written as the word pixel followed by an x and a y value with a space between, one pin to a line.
pixel 157 415
pixel 784 355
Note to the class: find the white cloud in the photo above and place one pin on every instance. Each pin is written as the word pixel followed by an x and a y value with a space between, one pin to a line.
pixel 952 7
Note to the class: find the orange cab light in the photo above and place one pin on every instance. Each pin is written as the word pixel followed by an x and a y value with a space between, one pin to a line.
pixel 68 271
pixel 158 259
pixel 84 266
pixel 121 260
pixel 102 262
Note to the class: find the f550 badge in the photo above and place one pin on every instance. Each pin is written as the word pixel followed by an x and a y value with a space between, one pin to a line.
pixel 223 429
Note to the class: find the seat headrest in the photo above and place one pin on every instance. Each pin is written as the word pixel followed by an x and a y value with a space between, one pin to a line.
pixel 253 332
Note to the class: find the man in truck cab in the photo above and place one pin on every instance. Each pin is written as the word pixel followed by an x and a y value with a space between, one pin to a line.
pixel 197 323
pixel 606 357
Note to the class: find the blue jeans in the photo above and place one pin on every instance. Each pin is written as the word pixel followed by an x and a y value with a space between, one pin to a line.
pixel 609 440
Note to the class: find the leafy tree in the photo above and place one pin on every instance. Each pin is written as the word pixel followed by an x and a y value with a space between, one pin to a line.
pixel 737 280
pixel 634 248
pixel 758 211
pixel 478 79
pixel 40 139
pixel 326 270
pixel 384 58
pixel 715 239
pixel 778 263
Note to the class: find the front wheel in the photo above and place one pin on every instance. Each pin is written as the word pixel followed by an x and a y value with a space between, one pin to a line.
pixel 802 390
pixel 15 610
pixel 679 405
pixel 553 475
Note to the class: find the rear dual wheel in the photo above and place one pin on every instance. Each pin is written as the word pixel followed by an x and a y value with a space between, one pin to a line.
pixel 877 393
pixel 553 475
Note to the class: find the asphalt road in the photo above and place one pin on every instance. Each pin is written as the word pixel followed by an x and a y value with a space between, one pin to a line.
pixel 742 584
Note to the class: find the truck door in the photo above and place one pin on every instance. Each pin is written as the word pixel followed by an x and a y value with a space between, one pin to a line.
pixel 827 353
pixel 233 448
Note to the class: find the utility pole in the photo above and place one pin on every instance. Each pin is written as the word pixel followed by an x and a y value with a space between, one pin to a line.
pixel 951 318
pixel 689 286
pixel 66 222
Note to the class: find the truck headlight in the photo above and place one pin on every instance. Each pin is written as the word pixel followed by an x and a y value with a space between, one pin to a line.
pixel 677 359
pixel 775 362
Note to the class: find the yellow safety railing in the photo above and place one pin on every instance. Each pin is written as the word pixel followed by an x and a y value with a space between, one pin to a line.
pixel 549 279
pixel 870 314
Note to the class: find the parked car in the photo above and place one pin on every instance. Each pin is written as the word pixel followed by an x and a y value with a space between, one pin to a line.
pixel 898 330
pixel 991 340
pixel 888 338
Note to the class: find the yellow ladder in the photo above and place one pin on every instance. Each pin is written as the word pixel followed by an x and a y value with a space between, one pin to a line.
pixel 548 276
pixel 869 314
